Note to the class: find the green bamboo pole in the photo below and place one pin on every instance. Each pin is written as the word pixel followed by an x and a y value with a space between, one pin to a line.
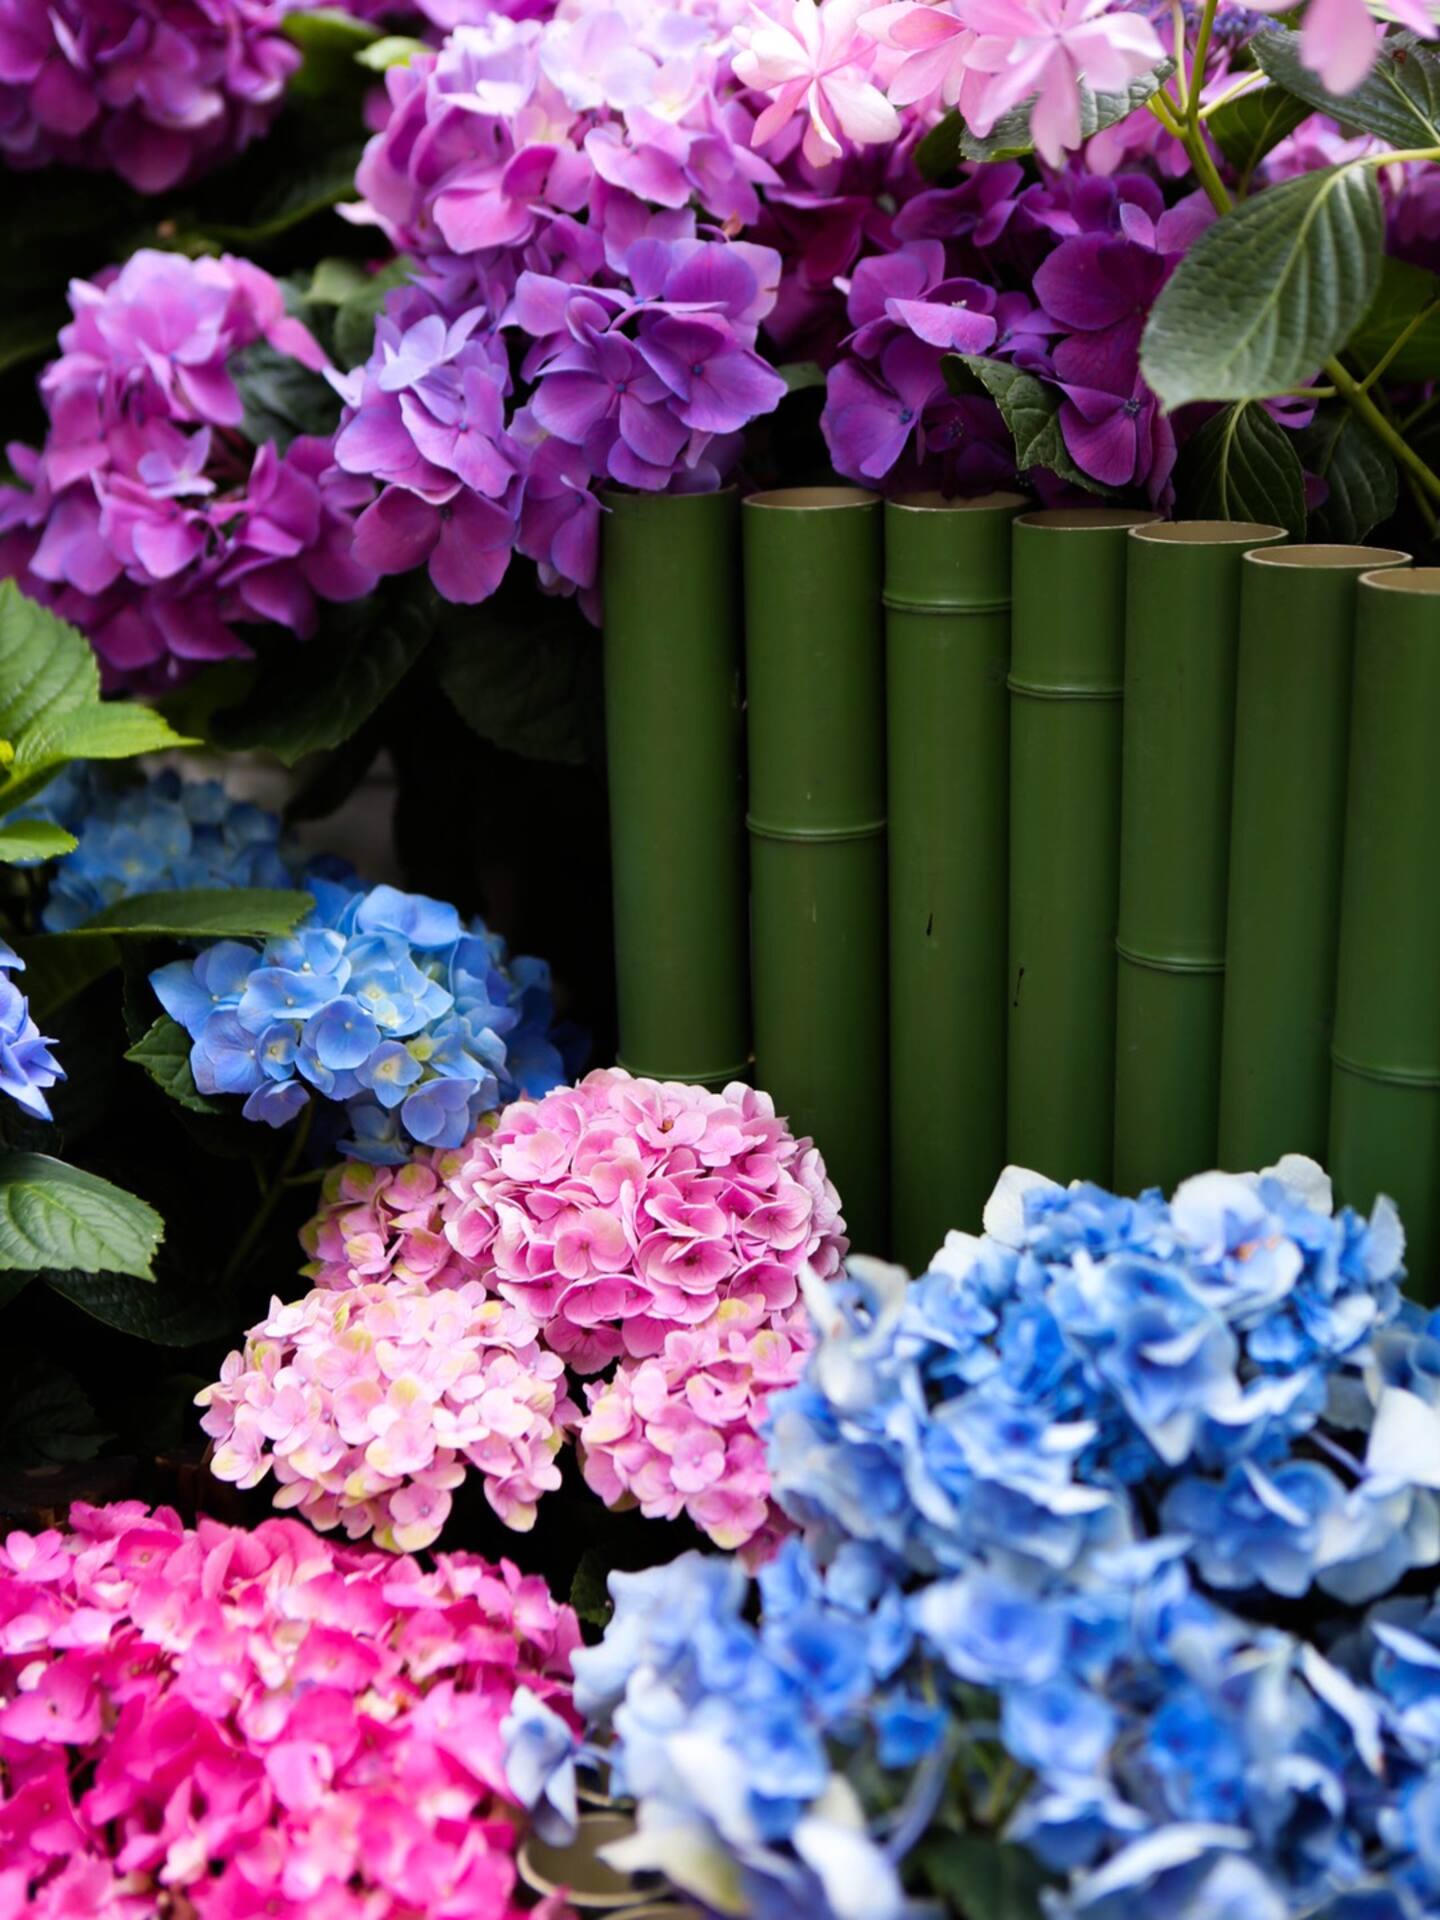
pixel 1182 616
pixel 947 598
pixel 675 751
pixel 1067 672
pixel 815 706
pixel 1287 832
pixel 1385 1092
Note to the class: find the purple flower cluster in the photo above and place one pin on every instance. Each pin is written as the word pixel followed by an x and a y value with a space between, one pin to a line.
pixel 157 91
pixel 148 518
pixel 1055 278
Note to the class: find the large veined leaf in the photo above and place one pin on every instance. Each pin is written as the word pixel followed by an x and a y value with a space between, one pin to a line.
pixel 198 913
pixel 312 698
pixel 165 1312
pixel 947 144
pixel 1398 100
pixel 45 1415
pixel 59 967
pixel 1030 409
pixel 1247 127
pixel 281 398
pixel 46 666
pixel 164 1053
pixel 523 671
pixel 980 1878
pixel 1243 466
pixel 1361 476
pixel 315 187
pixel 1407 295
pixel 34 840
pixel 56 1217
pixel 1269 292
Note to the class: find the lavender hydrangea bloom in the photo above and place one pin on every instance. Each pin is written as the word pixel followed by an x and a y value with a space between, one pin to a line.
pixel 157 91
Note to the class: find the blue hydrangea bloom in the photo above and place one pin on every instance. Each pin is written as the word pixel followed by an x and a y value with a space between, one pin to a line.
pixel 27 1066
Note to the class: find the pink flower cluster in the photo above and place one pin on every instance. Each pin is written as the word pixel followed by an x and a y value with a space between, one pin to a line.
pixel 659 1226
pixel 680 1432
pixel 155 90
pixel 225 1724
pixel 148 518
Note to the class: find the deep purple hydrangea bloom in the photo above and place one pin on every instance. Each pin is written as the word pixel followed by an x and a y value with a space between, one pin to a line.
pixel 154 90
pixel 148 518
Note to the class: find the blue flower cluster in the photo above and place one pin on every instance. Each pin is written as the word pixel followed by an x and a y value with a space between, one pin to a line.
pixel 385 1002
pixel 159 835
pixel 27 1066
pixel 1124 1505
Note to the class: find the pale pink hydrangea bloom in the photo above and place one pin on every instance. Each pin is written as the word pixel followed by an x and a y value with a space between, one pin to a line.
pixel 369 1401
pixel 383 1223
pixel 220 1724
pixel 616 1210
pixel 817 61
pixel 679 1433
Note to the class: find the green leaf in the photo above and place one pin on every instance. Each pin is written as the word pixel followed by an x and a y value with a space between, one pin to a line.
pixel 45 1415
pixel 800 374
pixel 1247 127
pixel 947 144
pixel 1399 99
pixel 297 196
pixel 980 1878
pixel 114 730
pixel 395 50
pixel 1269 292
pixel 199 913
pixel 166 1312
pixel 331 41
pixel 282 398
pixel 1029 407
pixel 589 1591
pixel 34 840
pixel 313 697
pixel 523 671
pixel 1243 466
pixel 333 282
pixel 46 667
pixel 164 1053
pixel 1406 294
pixel 54 1216
pixel 355 319
pixel 59 966
pixel 1362 477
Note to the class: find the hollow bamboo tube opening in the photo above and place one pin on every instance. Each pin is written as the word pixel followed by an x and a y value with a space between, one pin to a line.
pixel 1325 558
pixel 1209 533
pixel 1085 519
pixel 933 502
pixel 1416 580
pixel 812 499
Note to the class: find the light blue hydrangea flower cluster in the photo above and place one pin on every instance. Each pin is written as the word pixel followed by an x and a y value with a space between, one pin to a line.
pixel 28 1069
pixel 1133 1507
pixel 387 1003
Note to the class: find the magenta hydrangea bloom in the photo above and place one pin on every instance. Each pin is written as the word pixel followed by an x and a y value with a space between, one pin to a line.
pixel 148 518
pixel 157 91
pixel 228 1722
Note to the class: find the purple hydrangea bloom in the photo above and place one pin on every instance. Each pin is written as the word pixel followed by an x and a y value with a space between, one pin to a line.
pixel 157 91
pixel 147 518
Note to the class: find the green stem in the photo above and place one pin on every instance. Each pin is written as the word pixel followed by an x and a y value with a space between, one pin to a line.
pixel 1197 66
pixel 270 1197
pixel 1397 344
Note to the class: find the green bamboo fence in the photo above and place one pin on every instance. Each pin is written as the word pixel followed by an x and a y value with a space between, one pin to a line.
pixel 675 750
pixel 1385 1090
pixel 947 599
pixel 1292 747
pixel 1181 631
pixel 1067 670
pixel 815 698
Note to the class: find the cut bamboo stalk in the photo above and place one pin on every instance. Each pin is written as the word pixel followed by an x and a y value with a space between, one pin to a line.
pixel 675 748
pixel 1181 633
pixel 815 705
pixel 1287 833
pixel 1385 1091
pixel 947 598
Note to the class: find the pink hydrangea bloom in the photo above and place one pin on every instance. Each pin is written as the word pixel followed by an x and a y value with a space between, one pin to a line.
pixel 157 91
pixel 148 518
pixel 816 61
pixel 386 1223
pixel 680 1432
pixel 222 1723
pixel 1339 39
pixel 369 1401
pixel 618 1209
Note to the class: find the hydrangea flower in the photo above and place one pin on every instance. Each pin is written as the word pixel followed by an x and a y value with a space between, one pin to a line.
pixel 385 1002
pixel 157 92
pixel 27 1066
pixel 148 519
pixel 669 1225
pixel 230 1722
